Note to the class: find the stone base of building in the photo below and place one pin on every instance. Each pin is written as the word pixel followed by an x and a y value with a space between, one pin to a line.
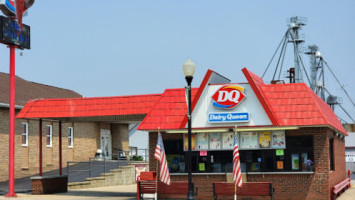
pixel 49 184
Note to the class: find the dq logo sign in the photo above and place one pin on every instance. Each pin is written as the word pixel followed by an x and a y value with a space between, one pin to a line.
pixel 8 7
pixel 228 96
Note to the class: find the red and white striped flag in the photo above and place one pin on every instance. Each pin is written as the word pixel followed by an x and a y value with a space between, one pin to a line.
pixel 161 157
pixel 237 173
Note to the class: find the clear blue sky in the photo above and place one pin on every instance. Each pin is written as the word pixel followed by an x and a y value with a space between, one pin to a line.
pixel 111 48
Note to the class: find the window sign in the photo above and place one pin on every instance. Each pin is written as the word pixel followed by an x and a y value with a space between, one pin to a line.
pixel 279 152
pixel 186 142
pixel 249 140
pixel 264 139
pixel 295 161
pixel 280 164
pixel 227 140
pixel 278 139
pixel 201 167
pixel 215 141
pixel 202 141
pixel 203 153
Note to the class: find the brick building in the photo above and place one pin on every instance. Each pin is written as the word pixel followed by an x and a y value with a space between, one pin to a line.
pixel 26 142
pixel 279 126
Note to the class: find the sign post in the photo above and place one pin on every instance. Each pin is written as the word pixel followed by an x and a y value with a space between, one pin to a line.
pixel 15 35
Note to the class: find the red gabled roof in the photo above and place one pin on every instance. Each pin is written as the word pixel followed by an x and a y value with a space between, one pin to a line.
pixel 168 112
pixel 89 107
pixel 293 104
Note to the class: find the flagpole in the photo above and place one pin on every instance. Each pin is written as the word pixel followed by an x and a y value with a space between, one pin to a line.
pixel 156 180
pixel 235 182
pixel 235 190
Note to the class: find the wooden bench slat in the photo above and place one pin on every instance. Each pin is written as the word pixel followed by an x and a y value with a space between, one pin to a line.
pixel 248 189
pixel 340 186
pixel 175 188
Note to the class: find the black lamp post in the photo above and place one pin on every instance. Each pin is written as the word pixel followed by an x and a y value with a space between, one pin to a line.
pixel 189 70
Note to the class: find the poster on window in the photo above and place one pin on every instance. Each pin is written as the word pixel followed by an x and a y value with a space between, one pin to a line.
pixel 295 162
pixel 249 140
pixel 186 142
pixel 264 139
pixel 278 139
pixel 227 140
pixel 202 141
pixel 215 141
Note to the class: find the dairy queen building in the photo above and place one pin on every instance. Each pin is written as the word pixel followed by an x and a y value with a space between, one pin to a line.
pixel 279 127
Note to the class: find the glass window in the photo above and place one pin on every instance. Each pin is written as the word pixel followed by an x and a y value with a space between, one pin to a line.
pixel 331 154
pixel 24 134
pixel 70 137
pixel 49 135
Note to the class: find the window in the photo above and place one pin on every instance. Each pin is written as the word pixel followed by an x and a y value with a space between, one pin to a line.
pixel 49 134
pixel 70 137
pixel 24 134
pixel 331 154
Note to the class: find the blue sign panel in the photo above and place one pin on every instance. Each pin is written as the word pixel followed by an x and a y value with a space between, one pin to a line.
pixel 11 34
pixel 228 117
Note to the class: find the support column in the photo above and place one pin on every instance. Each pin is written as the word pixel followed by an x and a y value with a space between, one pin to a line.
pixel 60 147
pixel 40 147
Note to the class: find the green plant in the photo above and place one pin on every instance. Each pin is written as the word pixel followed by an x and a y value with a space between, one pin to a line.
pixel 137 158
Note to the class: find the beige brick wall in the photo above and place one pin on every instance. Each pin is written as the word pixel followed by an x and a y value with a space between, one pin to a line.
pixel 86 143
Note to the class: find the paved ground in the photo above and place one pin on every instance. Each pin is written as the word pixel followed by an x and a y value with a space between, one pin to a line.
pixel 23 185
pixel 121 192
pixel 349 194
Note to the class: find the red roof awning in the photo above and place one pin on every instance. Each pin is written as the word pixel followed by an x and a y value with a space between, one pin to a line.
pixel 89 107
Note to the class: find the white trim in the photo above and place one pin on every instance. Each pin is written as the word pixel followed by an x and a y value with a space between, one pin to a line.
pixel 26 133
pixel 71 145
pixel 50 135
pixel 6 105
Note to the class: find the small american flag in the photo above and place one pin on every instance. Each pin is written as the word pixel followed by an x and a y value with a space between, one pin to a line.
pixel 161 157
pixel 237 173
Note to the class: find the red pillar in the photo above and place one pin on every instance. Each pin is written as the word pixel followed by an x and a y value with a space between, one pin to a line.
pixel 40 147
pixel 60 147
pixel 11 192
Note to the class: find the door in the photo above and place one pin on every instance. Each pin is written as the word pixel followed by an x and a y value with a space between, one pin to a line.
pixel 106 143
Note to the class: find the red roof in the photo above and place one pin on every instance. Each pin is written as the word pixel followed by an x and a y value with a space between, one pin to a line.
pixel 292 104
pixel 168 112
pixel 89 107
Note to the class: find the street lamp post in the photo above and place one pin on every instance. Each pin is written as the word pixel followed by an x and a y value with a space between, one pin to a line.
pixel 189 70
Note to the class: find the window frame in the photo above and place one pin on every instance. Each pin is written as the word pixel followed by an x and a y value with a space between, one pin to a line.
pixel 50 135
pixel 71 137
pixel 24 133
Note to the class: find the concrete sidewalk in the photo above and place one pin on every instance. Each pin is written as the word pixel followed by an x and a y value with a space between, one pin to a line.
pixel 121 192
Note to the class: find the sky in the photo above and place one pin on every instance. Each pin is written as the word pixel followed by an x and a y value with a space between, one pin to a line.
pixel 115 47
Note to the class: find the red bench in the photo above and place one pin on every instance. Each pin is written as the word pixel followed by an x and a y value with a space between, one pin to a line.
pixel 176 189
pixel 248 189
pixel 340 188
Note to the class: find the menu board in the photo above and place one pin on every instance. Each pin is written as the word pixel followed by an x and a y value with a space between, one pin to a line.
pixel 249 140
pixel 215 141
pixel 278 139
pixel 227 140
pixel 186 140
pixel 264 139
pixel 202 141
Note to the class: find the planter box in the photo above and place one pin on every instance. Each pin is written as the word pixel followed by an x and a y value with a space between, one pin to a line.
pixel 49 184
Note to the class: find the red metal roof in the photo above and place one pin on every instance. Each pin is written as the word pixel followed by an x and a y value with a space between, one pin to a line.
pixel 89 107
pixel 169 111
pixel 293 104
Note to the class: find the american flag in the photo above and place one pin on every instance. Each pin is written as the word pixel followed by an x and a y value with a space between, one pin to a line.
pixel 161 157
pixel 237 173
